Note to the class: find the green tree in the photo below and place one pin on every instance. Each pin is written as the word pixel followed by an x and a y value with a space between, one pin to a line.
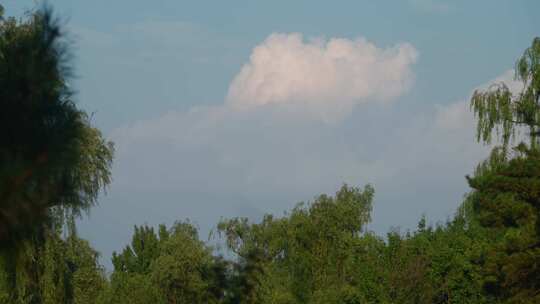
pixel 132 288
pixel 53 163
pixel 86 277
pixel 178 271
pixel 506 198
pixel 53 270
pixel 503 113
pixel 50 155
pixel 171 266
pixel 130 281
pixel 303 257
pixel 506 187
pixel 144 249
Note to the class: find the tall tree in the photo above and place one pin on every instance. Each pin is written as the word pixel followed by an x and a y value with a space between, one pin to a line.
pixel 507 185
pixel 53 163
pixel 50 155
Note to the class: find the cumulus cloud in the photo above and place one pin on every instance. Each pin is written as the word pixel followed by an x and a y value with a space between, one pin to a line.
pixel 251 155
pixel 327 77
pixel 226 162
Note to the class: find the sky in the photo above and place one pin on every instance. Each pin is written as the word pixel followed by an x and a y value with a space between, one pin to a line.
pixel 241 108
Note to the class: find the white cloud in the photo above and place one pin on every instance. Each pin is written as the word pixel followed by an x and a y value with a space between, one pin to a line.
pixel 221 161
pixel 327 77
pixel 265 154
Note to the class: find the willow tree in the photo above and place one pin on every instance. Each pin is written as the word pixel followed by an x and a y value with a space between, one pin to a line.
pixel 501 112
pixel 52 160
pixel 506 196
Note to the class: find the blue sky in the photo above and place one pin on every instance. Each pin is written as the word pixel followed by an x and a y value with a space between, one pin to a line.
pixel 159 78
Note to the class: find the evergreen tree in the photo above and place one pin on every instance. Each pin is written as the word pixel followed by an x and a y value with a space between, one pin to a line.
pixel 507 185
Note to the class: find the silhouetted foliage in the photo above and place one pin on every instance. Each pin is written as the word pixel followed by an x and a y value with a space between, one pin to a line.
pixel 50 155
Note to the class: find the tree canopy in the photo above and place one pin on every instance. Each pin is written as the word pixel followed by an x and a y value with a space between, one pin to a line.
pixel 506 196
pixel 52 160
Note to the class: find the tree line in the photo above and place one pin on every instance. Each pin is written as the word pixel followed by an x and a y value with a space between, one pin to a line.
pixel 54 163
